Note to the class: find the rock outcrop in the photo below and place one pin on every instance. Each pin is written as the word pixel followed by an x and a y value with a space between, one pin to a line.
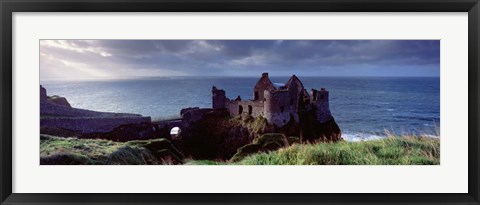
pixel 192 115
pixel 43 94
pixel 59 101
pixel 217 135
pixel 151 152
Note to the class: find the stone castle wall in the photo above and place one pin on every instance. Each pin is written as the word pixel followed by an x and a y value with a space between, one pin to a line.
pixel 253 108
pixel 323 107
pixel 277 107
pixel 263 84
pixel 218 98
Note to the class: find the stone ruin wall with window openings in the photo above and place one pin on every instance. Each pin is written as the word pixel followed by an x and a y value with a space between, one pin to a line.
pixel 277 105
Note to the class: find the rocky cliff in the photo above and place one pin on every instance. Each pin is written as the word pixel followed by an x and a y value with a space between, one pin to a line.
pixel 57 113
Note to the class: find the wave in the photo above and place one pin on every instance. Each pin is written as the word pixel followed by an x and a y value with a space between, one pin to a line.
pixel 359 137
pixel 432 136
pixel 417 118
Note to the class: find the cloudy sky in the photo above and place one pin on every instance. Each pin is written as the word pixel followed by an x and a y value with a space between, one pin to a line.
pixel 112 59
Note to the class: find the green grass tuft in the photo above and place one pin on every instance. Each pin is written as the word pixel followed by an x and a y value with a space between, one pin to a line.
pixel 388 151
pixel 73 151
pixel 407 150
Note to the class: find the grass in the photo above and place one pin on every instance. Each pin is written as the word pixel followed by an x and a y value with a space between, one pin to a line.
pixel 408 150
pixel 264 143
pixel 254 125
pixel 390 151
pixel 80 151
pixel 205 162
pixel 74 151
pixel 393 150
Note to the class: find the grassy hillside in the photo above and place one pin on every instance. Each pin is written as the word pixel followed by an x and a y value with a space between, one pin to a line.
pixel 73 151
pixel 389 151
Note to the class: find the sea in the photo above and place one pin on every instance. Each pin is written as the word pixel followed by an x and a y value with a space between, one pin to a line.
pixel 365 108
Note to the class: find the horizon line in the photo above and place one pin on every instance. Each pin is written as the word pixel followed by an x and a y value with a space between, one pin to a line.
pixel 214 76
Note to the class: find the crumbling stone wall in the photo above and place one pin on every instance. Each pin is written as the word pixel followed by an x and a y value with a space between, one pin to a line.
pixel 322 104
pixel 263 84
pixel 253 108
pixel 277 108
pixel 218 98
pixel 297 94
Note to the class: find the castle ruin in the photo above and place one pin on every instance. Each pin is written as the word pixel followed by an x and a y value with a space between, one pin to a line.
pixel 277 105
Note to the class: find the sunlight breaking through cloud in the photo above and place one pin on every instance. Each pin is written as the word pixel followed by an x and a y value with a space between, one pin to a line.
pixel 148 58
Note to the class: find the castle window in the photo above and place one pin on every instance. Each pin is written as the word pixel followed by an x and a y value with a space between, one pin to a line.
pixel 282 108
pixel 250 109
pixel 240 109
pixel 321 97
pixel 291 101
pixel 256 95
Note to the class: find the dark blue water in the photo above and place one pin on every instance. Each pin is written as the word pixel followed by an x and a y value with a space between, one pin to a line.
pixel 364 107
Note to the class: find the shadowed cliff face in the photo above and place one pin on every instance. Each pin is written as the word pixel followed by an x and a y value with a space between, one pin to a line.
pixel 312 129
pixel 122 133
pixel 218 135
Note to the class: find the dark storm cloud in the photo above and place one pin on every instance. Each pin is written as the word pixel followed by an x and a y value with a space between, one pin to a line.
pixel 117 58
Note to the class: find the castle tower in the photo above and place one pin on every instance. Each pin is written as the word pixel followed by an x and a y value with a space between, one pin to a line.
pixel 218 98
pixel 313 95
pixel 276 108
pixel 322 104
pixel 297 92
pixel 262 85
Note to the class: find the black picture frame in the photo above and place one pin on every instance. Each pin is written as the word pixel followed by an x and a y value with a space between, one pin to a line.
pixel 7 8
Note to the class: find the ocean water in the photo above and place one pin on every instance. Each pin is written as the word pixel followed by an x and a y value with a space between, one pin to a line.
pixel 364 107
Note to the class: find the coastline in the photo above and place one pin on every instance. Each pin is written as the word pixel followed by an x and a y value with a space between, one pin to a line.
pixel 278 120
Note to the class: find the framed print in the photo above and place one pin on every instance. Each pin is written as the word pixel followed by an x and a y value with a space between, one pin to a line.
pixel 239 102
